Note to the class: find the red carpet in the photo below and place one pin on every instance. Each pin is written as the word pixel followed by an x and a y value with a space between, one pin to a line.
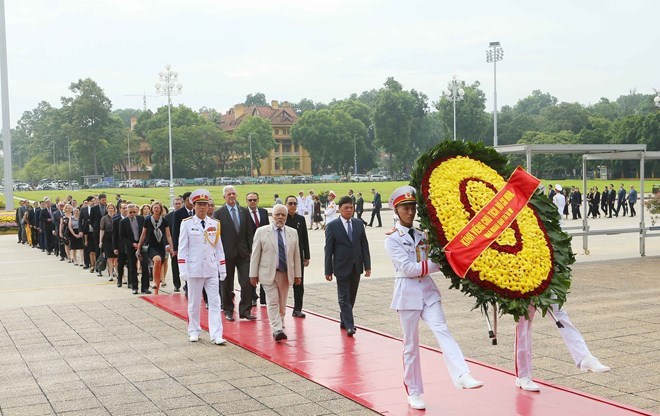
pixel 368 369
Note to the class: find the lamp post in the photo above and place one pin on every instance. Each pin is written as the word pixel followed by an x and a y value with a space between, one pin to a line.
pixel 355 154
pixel 68 149
pixel 129 157
pixel 494 54
pixel 169 86
pixel 455 93
pixel 656 100
pixel 251 159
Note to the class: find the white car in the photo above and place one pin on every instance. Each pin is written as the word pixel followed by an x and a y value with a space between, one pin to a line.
pixel 378 178
pixel 359 178
pixel 162 183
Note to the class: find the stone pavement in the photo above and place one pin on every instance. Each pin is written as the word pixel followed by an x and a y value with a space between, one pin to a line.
pixel 72 343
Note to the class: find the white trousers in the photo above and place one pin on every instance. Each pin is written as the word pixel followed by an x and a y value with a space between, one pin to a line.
pixel 523 348
pixel 212 286
pixel 276 294
pixel 434 316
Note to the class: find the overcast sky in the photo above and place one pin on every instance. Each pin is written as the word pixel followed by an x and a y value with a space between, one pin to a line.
pixel 578 50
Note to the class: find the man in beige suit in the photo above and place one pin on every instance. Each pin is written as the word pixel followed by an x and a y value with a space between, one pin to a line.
pixel 275 263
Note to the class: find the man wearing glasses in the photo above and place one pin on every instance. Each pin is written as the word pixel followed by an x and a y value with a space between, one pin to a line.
pixel 298 223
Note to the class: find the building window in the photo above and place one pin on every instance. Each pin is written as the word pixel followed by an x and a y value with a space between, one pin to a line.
pixel 277 163
pixel 286 147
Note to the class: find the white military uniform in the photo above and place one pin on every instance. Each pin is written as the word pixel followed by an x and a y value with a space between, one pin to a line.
pixel 331 213
pixel 417 296
pixel 201 260
pixel 572 338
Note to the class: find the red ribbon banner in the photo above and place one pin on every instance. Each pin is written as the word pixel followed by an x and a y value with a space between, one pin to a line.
pixel 490 222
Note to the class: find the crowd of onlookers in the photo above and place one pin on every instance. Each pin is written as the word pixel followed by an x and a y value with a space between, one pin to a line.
pixel 610 201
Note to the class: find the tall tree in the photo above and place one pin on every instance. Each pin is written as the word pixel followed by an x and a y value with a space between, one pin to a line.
pixel 472 121
pixel 533 104
pixel 257 99
pixel 262 138
pixel 393 118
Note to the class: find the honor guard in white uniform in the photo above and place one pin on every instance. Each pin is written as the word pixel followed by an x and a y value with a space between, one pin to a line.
pixel 417 296
pixel 201 260
pixel 573 339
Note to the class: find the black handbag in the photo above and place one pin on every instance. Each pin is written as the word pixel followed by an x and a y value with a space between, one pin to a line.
pixel 101 263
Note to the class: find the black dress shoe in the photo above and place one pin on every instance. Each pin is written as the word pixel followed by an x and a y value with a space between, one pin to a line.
pixel 119 284
pixel 229 316
pixel 147 292
pixel 298 314
pixel 254 303
pixel 176 289
pixel 279 336
pixel 249 317
pixel 85 267
pixel 135 291
pixel 350 332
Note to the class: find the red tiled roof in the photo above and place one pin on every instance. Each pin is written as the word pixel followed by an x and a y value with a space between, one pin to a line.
pixel 283 116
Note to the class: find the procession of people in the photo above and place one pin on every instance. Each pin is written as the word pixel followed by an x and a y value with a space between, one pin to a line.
pixel 210 250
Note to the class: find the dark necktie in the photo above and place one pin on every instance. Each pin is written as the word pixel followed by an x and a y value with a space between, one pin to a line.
pixel 203 226
pixel 350 231
pixel 190 213
pixel 411 232
pixel 234 217
pixel 280 251
pixel 256 218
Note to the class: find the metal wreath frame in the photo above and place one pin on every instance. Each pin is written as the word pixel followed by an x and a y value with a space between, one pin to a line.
pixel 595 152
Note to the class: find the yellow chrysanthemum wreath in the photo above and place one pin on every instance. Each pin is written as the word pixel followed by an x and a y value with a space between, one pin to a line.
pixel 529 261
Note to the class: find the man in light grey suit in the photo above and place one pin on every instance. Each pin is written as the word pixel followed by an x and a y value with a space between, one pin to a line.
pixel 276 264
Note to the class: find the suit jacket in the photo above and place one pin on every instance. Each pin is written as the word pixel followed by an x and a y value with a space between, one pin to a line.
pixel 179 215
pixel 45 215
pixel 237 244
pixel 263 219
pixel 96 217
pixel 86 220
pixel 298 223
pixel 126 233
pixel 359 205
pixel 264 260
pixel 377 201
pixel 341 254
pixel 116 241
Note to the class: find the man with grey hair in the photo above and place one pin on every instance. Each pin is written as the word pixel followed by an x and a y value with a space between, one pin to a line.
pixel 237 242
pixel 276 264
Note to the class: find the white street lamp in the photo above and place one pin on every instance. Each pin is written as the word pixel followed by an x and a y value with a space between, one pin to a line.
pixel 656 100
pixel 494 54
pixel 455 93
pixel 169 86
pixel 251 159
pixel 355 154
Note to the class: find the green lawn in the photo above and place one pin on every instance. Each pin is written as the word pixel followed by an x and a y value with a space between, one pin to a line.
pixel 266 192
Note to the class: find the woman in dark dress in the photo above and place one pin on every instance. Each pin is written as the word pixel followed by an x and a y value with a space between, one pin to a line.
pixel 317 218
pixel 64 230
pixel 156 233
pixel 76 237
pixel 105 244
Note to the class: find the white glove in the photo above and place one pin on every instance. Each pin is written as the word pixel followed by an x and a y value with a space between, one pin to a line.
pixel 222 276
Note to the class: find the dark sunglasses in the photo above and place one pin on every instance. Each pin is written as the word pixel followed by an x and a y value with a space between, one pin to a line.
pixel 252 200
pixel 292 203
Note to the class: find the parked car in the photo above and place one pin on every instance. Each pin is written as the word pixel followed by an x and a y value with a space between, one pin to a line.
pixel 302 179
pixel 228 181
pixel 359 178
pixel 20 186
pixel 100 185
pixel 378 178
pixel 162 183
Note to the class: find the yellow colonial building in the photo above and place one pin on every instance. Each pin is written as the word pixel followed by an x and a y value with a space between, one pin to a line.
pixel 286 158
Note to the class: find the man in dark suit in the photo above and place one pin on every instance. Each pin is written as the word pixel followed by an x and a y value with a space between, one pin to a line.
pixel 258 218
pixel 180 214
pixel 118 245
pixel 87 226
pixel 346 256
pixel 610 201
pixel 20 213
pixel 98 212
pixel 298 223
pixel 377 205
pixel 48 227
pixel 129 233
pixel 237 242
pixel 596 202
pixel 57 218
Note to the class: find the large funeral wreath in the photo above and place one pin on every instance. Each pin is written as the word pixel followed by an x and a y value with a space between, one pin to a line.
pixel 529 263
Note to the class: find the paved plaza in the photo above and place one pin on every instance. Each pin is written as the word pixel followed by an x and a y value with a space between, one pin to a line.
pixel 72 343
